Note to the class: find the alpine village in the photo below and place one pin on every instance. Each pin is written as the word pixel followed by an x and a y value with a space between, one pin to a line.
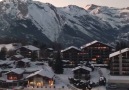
pixel 43 47
pixel 92 66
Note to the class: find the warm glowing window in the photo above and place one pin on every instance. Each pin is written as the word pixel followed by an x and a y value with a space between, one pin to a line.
pixel 12 78
pixel 39 84
pixel 51 82
pixel 94 59
pixel 97 56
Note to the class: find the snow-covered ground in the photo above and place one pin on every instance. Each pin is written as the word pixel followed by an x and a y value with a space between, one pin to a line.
pixel 94 76
pixel 61 80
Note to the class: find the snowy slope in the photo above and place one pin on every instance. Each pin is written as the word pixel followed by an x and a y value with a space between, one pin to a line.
pixel 116 17
pixel 71 25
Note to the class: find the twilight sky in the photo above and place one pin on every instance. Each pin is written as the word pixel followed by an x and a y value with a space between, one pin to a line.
pixel 83 3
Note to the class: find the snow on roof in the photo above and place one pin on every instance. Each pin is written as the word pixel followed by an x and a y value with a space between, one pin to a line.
pixel 8 46
pixel 71 48
pixel 32 69
pixel 32 48
pixel 18 56
pixel 82 67
pixel 6 62
pixel 118 52
pixel 16 70
pixel 42 72
pixel 50 48
pixel 88 44
pixel 26 60
pixel 91 43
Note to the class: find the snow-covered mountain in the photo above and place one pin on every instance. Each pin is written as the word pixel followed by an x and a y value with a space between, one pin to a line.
pixel 69 25
pixel 116 17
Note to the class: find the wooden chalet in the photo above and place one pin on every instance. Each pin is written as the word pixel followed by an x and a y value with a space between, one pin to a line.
pixel 40 78
pixel 47 53
pixel 29 51
pixel 82 72
pixel 119 62
pixel 23 63
pixel 15 74
pixel 97 52
pixel 71 54
pixel 17 57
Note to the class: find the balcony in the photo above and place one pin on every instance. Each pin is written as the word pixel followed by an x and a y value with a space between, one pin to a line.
pixel 115 65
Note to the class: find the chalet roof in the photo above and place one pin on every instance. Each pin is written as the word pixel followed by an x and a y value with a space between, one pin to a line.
pixel 18 56
pixel 118 52
pixel 26 60
pixel 6 62
pixel 16 70
pixel 70 48
pixel 42 72
pixel 32 48
pixel 50 49
pixel 91 43
pixel 82 67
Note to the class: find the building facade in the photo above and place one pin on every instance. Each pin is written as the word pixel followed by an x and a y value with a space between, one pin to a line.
pixel 71 54
pixel 40 78
pixel 119 62
pixel 96 52
pixel 29 51
pixel 82 72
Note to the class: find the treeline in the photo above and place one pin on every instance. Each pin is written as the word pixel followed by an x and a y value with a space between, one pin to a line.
pixel 39 44
pixel 121 44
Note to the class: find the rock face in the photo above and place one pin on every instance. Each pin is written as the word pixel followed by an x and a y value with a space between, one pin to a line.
pixel 71 25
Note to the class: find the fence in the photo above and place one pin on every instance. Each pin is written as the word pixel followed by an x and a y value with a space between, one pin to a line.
pixel 47 88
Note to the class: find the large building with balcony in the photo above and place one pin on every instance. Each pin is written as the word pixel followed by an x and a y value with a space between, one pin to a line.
pixel 29 51
pixel 96 52
pixel 119 62
pixel 71 54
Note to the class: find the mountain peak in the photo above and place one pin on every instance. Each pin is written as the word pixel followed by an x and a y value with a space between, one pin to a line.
pixel 13 1
pixel 91 7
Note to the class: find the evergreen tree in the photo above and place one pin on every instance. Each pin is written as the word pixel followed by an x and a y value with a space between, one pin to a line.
pixel 58 65
pixel 3 53
pixel 121 45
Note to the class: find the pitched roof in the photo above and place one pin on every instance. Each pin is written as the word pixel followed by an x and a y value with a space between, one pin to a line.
pixel 118 52
pixel 42 72
pixel 70 48
pixel 32 48
pixel 25 60
pixel 18 56
pixel 16 70
pixel 91 43
pixel 82 67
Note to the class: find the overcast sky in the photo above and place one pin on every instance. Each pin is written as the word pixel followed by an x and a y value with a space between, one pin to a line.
pixel 83 3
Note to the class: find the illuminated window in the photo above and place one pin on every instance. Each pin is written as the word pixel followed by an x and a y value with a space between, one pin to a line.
pixel 31 83
pixel 97 56
pixel 10 78
pixel 39 84
pixel 51 82
pixel 14 78
pixel 94 59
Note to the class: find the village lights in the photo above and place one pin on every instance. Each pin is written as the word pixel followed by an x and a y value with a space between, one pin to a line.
pixel 51 82
pixel 39 84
